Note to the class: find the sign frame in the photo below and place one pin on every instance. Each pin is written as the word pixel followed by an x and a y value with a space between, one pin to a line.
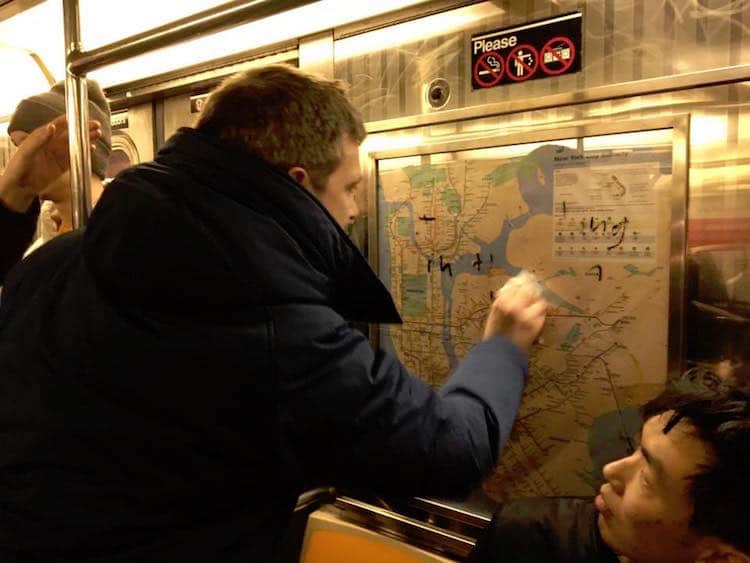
pixel 680 124
pixel 534 40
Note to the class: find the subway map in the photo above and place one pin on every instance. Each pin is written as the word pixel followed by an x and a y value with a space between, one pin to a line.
pixel 594 229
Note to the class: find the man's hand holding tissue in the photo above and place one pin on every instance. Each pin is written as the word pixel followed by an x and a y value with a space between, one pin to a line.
pixel 518 312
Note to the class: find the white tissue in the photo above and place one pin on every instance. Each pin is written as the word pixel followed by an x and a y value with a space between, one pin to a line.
pixel 530 282
pixel 524 278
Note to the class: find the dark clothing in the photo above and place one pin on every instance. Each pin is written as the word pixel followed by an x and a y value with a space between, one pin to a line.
pixel 175 376
pixel 543 530
pixel 16 234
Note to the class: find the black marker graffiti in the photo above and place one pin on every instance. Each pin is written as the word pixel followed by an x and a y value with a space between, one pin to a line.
pixel 608 229
pixel 622 188
pixel 596 271
pixel 619 228
pixel 445 266
pixel 477 263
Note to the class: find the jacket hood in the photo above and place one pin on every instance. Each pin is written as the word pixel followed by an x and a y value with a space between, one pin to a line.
pixel 206 228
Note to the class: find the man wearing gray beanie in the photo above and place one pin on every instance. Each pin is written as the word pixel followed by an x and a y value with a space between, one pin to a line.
pixel 39 170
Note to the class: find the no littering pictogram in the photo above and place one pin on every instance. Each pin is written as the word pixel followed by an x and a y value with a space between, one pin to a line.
pixel 558 55
pixel 489 69
pixel 522 63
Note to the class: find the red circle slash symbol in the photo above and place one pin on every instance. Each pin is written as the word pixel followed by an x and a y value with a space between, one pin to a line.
pixel 558 55
pixel 522 63
pixel 488 70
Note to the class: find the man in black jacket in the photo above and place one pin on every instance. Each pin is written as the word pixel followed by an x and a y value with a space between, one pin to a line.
pixel 174 376
pixel 681 497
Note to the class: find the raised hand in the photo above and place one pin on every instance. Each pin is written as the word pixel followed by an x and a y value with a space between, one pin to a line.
pixel 42 157
pixel 517 313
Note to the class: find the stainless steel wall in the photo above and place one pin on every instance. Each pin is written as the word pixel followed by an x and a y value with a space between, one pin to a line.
pixel 177 114
pixel 624 40
pixel 138 136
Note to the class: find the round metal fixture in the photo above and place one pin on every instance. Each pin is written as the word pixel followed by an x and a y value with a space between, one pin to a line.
pixel 438 93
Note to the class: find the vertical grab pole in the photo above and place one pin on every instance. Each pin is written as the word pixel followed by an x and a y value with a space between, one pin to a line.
pixel 77 111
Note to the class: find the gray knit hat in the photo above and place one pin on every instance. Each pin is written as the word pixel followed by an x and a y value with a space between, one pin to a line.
pixel 37 110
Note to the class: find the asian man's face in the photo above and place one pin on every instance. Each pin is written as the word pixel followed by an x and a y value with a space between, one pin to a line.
pixel 645 505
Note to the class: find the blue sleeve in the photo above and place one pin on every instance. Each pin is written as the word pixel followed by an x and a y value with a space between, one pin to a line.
pixel 354 417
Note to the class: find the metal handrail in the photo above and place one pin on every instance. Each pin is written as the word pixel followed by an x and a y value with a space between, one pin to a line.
pixel 212 20
pixel 78 62
pixel 77 112
pixel 404 528
pixel 460 514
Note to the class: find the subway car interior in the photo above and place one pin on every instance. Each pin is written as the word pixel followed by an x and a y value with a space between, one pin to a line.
pixel 595 143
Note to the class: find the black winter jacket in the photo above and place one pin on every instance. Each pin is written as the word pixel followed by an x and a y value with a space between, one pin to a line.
pixel 16 234
pixel 543 530
pixel 173 377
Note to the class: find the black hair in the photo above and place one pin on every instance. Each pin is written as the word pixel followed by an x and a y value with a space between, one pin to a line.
pixel 719 414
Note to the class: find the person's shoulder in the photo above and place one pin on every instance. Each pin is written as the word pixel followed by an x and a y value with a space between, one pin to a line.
pixel 538 517
pixel 536 530
pixel 542 507
pixel 50 254
pixel 43 264
pixel 147 180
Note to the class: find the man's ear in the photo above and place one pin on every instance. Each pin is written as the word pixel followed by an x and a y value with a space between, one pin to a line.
pixel 301 176
pixel 721 552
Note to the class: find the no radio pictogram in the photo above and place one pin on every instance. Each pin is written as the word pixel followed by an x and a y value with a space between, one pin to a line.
pixel 522 63
pixel 542 49
pixel 489 69
pixel 558 55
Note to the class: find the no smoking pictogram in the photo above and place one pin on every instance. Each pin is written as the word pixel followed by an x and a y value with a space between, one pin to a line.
pixel 522 63
pixel 558 55
pixel 489 69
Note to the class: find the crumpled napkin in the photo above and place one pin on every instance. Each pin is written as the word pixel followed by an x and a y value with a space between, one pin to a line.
pixel 48 226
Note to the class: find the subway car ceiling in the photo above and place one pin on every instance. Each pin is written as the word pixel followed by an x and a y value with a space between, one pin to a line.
pixel 523 124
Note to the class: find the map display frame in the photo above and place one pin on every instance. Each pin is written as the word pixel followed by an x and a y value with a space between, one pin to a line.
pixel 604 230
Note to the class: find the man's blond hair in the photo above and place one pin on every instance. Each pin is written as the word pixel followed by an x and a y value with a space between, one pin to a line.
pixel 285 116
